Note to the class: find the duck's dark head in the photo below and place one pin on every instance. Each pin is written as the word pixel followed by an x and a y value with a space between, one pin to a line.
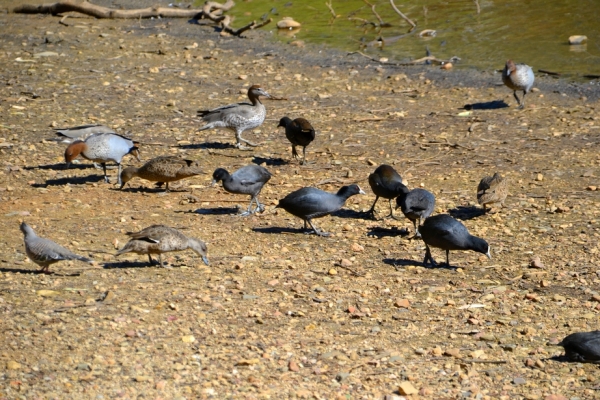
pixel 255 91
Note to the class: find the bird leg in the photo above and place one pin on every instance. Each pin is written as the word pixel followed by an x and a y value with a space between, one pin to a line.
pixel 161 260
pixel 417 235
pixel 517 97
pixel 259 207
pixel 295 155
pixel 391 209
pixel 119 174
pixel 316 231
pixel 428 257
pixel 523 100
pixel 150 259
pixel 303 156
pixel 448 258
pixel 372 209
pixel 105 176
pixel 249 211
pixel 240 139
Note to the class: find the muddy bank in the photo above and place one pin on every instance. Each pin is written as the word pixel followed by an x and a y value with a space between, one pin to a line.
pixel 280 314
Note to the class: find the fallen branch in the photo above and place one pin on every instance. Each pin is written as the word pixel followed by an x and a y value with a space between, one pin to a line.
pixel 423 60
pixel 403 16
pixel 96 11
pixel 211 10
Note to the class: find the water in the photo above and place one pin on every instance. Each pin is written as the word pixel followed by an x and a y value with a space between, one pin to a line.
pixel 534 32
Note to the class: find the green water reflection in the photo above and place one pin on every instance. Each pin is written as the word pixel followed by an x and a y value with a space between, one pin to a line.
pixel 535 32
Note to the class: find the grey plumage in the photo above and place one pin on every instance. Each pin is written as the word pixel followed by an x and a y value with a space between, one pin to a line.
pixel 308 203
pixel 45 252
pixel 416 205
pixel 518 77
pixel 103 147
pixel 444 232
pixel 246 180
pixel 82 132
pixel 238 117
pixel 159 239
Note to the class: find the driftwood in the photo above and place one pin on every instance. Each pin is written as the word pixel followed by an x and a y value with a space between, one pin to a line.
pixel 422 60
pixel 211 10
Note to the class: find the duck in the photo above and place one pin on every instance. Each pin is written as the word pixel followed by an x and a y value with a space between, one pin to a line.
pixel 44 252
pixel 309 202
pixel 416 205
pixel 300 133
pixel 159 239
pixel 238 117
pixel 582 346
pixel 446 233
pixel 82 132
pixel 163 169
pixel 103 147
pixel 387 183
pixel 246 180
pixel 492 190
pixel 518 77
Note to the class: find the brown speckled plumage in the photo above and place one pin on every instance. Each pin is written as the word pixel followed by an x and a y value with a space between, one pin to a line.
pixel 492 190
pixel 159 239
pixel 162 169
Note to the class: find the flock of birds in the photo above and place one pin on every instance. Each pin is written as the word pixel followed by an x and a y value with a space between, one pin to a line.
pixel 101 144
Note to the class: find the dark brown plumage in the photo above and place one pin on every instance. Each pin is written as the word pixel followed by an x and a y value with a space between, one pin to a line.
pixel 492 190
pixel 300 133
pixel 387 183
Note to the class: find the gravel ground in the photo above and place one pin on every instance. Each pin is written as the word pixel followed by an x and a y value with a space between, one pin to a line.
pixel 279 314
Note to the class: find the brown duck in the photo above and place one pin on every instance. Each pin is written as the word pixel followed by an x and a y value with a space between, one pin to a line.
pixel 492 190
pixel 162 169
pixel 159 239
pixel 300 133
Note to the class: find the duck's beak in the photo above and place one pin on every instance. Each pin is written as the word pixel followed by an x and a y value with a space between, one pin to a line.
pixel 360 191
pixel 213 183
pixel 488 253
pixel 205 259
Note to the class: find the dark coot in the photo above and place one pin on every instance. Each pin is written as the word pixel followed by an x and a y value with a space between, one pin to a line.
pixel 308 203
pixel 582 346
pixel 387 183
pixel 246 180
pixel 416 205
pixel 300 133
pixel 446 233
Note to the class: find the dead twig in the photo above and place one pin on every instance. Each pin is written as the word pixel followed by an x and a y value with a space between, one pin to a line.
pixel 403 16
pixel 477 5
pixel 328 4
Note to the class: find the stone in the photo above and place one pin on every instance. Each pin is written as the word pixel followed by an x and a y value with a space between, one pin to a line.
pixel 402 303
pixel 406 388
pixel 288 23
pixel 577 39
pixel 452 353
pixel 13 365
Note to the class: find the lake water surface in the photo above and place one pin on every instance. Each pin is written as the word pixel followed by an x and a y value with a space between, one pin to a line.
pixel 534 32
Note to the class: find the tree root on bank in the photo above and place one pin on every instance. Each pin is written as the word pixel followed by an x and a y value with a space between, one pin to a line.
pixel 211 10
